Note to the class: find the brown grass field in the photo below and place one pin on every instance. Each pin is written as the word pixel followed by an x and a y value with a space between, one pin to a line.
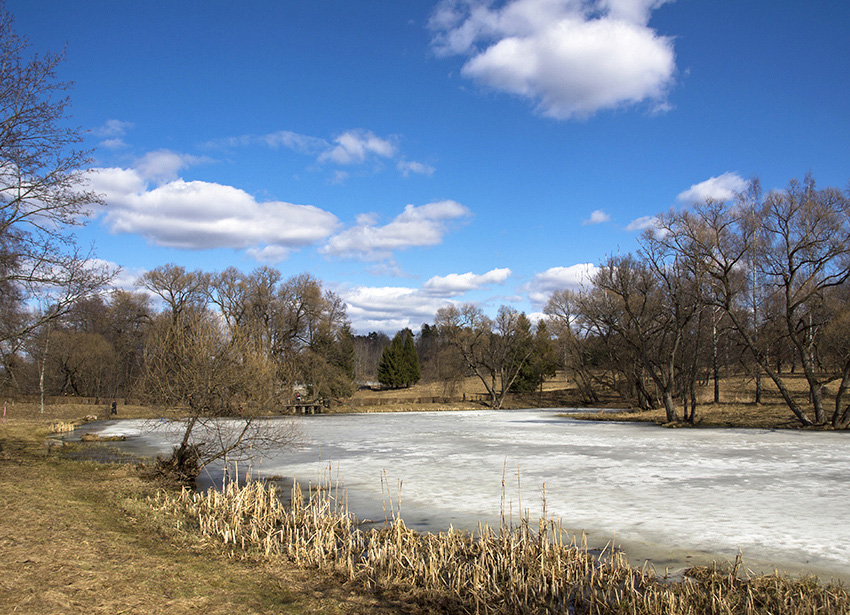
pixel 79 536
pixel 736 408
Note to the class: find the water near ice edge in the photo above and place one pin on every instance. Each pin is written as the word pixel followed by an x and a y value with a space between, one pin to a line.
pixel 781 497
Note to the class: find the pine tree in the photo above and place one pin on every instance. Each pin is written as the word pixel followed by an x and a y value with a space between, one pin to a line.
pixel 390 368
pixel 412 371
pixel 399 365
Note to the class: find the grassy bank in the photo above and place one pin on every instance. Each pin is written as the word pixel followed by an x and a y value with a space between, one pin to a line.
pixel 81 537
pixel 736 407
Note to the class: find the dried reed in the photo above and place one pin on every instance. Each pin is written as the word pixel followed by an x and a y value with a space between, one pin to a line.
pixel 62 427
pixel 522 568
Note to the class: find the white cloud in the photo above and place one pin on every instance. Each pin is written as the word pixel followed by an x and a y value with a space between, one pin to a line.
pixel 201 215
pixel 459 283
pixel 112 132
pixel 642 223
pixel 113 128
pixel 356 146
pixel 571 58
pixel 126 278
pixel 721 188
pixel 163 165
pixel 545 283
pixel 339 177
pixel 351 147
pixel 597 217
pixel 389 308
pixel 294 141
pixel 269 254
pixel 424 225
pixel 409 166
pixel 116 143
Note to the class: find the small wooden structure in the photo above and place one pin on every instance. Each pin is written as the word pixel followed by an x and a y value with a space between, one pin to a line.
pixel 303 407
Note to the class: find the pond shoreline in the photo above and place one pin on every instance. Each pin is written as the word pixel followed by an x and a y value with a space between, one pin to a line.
pixel 642 546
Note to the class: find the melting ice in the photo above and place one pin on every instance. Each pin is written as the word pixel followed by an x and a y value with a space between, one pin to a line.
pixel 672 496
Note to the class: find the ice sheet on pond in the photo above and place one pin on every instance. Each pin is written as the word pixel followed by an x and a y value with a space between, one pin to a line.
pixel 781 497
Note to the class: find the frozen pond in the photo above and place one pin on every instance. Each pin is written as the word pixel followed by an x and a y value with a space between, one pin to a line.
pixel 673 496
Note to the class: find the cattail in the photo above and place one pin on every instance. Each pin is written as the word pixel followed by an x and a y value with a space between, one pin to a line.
pixel 517 570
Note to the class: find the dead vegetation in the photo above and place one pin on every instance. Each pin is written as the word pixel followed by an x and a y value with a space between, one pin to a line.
pixel 529 568
pixel 736 409
pixel 80 537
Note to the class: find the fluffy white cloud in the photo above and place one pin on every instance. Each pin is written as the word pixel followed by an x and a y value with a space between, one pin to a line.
pixel 356 146
pixel 389 308
pixel 720 188
pixel 597 217
pixel 458 283
pixel 571 57
pixel 424 225
pixel 545 283
pixel 164 165
pixel 642 223
pixel 201 215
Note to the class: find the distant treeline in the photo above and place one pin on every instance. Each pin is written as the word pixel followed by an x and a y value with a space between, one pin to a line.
pixel 756 285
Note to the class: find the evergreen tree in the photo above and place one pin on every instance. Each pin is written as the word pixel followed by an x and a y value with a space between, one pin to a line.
pixel 399 365
pixel 541 364
pixel 412 371
pixel 390 371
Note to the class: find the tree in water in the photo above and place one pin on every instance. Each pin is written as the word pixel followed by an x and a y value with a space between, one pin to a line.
pixel 222 380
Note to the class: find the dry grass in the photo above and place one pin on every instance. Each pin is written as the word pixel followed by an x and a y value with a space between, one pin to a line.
pixel 736 409
pixel 515 570
pixel 80 537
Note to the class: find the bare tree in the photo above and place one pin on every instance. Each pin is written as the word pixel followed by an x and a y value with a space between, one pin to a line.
pixel 494 350
pixel 222 380
pixel 646 304
pixel 798 242
pixel 42 190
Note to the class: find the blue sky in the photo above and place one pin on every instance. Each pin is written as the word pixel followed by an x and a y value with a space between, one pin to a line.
pixel 410 153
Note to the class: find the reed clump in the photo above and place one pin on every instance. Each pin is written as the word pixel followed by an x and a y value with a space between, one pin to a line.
pixel 522 568
pixel 62 426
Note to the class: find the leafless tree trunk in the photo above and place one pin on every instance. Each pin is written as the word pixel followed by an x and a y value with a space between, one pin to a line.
pixel 42 188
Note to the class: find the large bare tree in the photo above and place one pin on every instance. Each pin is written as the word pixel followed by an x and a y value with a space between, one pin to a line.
pixel 42 192
pixel 794 245
pixel 495 350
